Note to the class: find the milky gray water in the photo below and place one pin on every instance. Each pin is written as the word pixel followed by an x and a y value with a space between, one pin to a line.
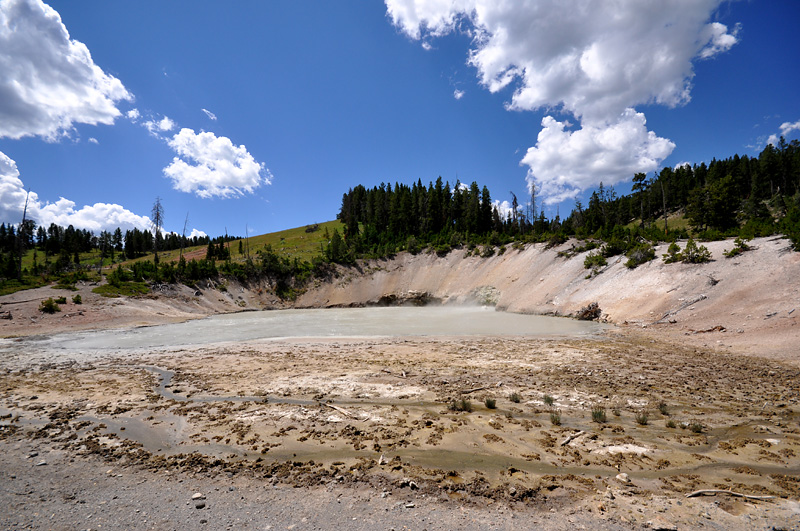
pixel 338 322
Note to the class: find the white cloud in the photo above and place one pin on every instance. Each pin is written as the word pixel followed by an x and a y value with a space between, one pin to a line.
pixel 427 46
pixel 458 94
pixel 786 128
pixel 718 39
pixel 96 218
pixel 93 140
pixel 211 166
pixel 682 165
pixel 504 208
pixel 210 114
pixel 595 60
pixel 565 162
pixel 133 115
pixel 197 233
pixel 49 82
pixel 164 125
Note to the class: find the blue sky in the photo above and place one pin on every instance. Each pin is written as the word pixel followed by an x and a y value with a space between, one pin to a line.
pixel 262 114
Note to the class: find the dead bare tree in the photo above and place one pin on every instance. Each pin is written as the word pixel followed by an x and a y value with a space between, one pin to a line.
pixel 157 220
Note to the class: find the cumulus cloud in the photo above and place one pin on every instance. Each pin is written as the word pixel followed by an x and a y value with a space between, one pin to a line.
pixel 197 233
pixel 504 208
pixel 133 115
pixel 565 162
pixel 49 81
pixel 211 166
pixel 592 59
pixel 96 218
pixel 786 128
pixel 164 125
pixel 210 114
pixel 458 94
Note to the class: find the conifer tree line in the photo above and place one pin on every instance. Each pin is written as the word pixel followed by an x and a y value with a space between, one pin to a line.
pixel 59 248
pixel 738 196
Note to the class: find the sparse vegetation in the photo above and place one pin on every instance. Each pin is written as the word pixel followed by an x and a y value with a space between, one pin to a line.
pixel 49 306
pixel 555 417
pixel 642 418
pixel 594 261
pixel 548 400
pixel 640 254
pixel 77 299
pixel 490 403
pixel 696 427
pixel 670 423
pixel 515 397
pixel 739 246
pixel 598 414
pixel 662 408
pixel 460 405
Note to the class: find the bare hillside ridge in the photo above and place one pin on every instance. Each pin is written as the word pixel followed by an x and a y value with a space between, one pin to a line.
pixel 746 303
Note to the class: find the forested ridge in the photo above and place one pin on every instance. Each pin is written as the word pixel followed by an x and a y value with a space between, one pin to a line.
pixel 737 196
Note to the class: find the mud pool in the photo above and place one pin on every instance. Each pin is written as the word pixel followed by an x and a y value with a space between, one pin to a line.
pixel 336 322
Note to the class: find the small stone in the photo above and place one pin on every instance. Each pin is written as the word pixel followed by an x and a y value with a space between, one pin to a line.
pixel 198 496
pixel 623 478
pixel 200 505
pixel 41 463
pixel 410 505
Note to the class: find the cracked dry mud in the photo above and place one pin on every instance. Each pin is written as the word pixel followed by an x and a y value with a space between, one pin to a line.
pixel 373 419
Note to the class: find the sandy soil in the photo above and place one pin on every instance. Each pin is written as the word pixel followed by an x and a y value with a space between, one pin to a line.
pixel 362 433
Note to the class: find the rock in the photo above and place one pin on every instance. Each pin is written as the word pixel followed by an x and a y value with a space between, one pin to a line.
pixel 198 496
pixel 659 524
pixel 410 505
pixel 6 315
pixel 623 478
pixel 200 505
pixel 590 312
pixel 41 463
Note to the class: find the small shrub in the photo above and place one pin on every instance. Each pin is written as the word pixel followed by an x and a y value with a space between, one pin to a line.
pixel 548 400
pixel 515 397
pixel 670 424
pixel 639 255
pixel 77 299
pixel 642 418
pixel 555 417
pixel 49 306
pixel 594 261
pixel 662 408
pixel 616 411
pixel 740 246
pixel 696 427
pixel 61 300
pixel 598 414
pixel 490 403
pixel 488 251
pixel 461 405
pixel 673 254
pixel 693 254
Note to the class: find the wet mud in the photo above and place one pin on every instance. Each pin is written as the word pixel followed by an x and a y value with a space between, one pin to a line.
pixel 614 424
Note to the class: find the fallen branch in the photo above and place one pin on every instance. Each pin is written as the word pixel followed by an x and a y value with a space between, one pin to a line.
pixel 703 492
pixel 474 389
pixel 340 410
pixel 572 438
pixel 683 306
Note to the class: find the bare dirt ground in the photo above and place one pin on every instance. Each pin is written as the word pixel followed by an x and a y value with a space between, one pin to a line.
pixel 365 433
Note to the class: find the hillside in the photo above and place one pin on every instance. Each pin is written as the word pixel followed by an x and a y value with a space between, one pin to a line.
pixel 752 297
